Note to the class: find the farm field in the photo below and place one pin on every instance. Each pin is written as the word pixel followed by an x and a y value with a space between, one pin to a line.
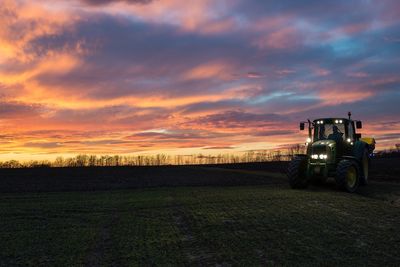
pixel 194 215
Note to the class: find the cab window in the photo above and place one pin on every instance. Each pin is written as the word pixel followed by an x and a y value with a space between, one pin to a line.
pixel 329 131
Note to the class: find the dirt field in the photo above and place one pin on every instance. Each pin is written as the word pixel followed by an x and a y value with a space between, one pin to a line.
pixel 229 215
pixel 111 178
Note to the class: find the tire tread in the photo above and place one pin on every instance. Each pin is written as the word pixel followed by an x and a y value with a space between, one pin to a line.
pixel 296 175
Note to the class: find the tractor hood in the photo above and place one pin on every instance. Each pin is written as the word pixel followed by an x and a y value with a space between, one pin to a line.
pixel 323 146
pixel 324 143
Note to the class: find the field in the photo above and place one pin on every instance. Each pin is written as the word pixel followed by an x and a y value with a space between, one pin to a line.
pixel 224 215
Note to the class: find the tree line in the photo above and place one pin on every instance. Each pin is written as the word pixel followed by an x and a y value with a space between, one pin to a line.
pixel 164 159
pixel 84 160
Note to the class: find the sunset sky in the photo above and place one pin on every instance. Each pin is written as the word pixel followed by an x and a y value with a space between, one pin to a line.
pixel 200 76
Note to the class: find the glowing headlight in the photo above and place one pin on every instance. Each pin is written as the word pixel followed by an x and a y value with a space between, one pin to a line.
pixel 340 121
pixel 336 121
pixel 316 156
pixel 348 140
pixel 308 140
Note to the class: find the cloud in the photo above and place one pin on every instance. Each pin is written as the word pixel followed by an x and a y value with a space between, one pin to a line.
pixel 236 119
pixel 12 110
pixel 210 71
pixel 181 135
pixel 219 147
pixel 24 21
pixel 44 145
pixel 275 133
pixel 105 2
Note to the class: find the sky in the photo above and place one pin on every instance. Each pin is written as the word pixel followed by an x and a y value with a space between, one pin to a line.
pixel 184 77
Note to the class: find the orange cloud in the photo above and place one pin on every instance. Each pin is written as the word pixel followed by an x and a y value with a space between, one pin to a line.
pixel 210 70
pixel 24 21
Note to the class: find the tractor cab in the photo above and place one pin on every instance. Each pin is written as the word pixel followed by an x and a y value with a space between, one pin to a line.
pixel 338 130
pixel 341 131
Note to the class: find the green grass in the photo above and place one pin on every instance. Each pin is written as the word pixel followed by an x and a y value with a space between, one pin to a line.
pixel 268 225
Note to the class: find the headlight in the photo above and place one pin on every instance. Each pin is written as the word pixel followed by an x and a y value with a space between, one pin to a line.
pixel 321 156
pixel 308 140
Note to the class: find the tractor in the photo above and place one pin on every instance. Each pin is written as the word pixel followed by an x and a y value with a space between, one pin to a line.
pixel 334 149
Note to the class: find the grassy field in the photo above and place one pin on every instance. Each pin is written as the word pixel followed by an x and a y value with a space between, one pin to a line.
pixel 268 224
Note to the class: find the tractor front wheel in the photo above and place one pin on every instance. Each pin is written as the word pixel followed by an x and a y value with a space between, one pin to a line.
pixel 347 175
pixel 297 173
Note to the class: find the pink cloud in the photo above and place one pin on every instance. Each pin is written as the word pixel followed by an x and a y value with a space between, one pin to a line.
pixel 210 70
pixel 358 74
pixel 284 72
pixel 284 38
pixel 321 71
pixel 336 95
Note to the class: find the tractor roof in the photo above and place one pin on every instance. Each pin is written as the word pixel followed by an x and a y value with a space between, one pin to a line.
pixel 331 119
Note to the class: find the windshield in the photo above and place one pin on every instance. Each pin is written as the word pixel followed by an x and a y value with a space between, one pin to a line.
pixel 329 131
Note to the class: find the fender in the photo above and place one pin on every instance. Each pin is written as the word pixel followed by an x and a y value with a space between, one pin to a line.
pixel 352 158
pixel 359 148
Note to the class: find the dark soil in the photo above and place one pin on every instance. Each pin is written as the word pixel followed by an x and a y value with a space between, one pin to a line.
pixel 110 178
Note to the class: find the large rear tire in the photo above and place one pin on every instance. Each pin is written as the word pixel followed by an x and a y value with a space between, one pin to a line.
pixel 347 175
pixel 297 173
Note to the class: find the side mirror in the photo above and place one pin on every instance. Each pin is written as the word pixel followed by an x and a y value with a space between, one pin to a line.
pixel 301 126
pixel 358 124
pixel 358 136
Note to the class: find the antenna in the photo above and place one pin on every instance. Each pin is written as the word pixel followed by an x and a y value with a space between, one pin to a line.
pixel 349 115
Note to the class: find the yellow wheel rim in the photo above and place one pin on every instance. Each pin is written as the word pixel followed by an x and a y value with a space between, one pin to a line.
pixel 351 177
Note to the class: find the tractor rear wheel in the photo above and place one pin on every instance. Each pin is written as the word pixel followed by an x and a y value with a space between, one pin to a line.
pixel 297 173
pixel 347 175
pixel 364 168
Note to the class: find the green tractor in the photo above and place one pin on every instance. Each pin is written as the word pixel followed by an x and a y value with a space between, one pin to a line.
pixel 334 149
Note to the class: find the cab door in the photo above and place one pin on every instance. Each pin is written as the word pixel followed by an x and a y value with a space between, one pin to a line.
pixel 350 138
